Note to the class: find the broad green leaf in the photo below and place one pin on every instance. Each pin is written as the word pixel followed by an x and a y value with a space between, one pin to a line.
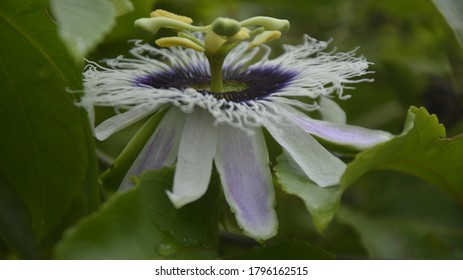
pixel 287 250
pixel 142 223
pixel 421 150
pixel 398 216
pixel 47 155
pixel 452 10
pixel 15 222
pixel 84 23
pixel 322 203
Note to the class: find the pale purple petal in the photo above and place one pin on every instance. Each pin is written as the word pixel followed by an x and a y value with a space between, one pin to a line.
pixel 243 165
pixel 194 162
pixel 342 134
pixel 317 163
pixel 120 121
pixel 160 150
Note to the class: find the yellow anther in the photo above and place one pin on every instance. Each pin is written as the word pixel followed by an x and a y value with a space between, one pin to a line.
pixel 265 37
pixel 178 42
pixel 164 13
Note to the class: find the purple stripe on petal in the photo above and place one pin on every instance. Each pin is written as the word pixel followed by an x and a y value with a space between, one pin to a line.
pixel 342 134
pixel 157 151
pixel 243 164
pixel 161 148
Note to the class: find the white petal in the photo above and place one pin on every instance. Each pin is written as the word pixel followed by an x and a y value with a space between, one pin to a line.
pixel 243 164
pixel 317 163
pixel 121 121
pixel 331 112
pixel 160 150
pixel 194 163
pixel 342 134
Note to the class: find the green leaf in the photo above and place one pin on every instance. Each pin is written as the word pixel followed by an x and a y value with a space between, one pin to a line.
pixel 143 224
pixel 84 23
pixel 322 203
pixel 420 150
pixel 47 154
pixel 452 10
pixel 287 250
pixel 15 222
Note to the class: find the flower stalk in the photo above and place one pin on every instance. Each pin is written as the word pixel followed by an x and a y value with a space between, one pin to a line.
pixel 216 65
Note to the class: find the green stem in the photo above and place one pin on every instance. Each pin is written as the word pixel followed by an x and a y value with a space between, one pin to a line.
pixel 216 64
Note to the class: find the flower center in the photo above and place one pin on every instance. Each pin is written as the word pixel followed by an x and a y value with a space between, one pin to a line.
pixel 238 86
